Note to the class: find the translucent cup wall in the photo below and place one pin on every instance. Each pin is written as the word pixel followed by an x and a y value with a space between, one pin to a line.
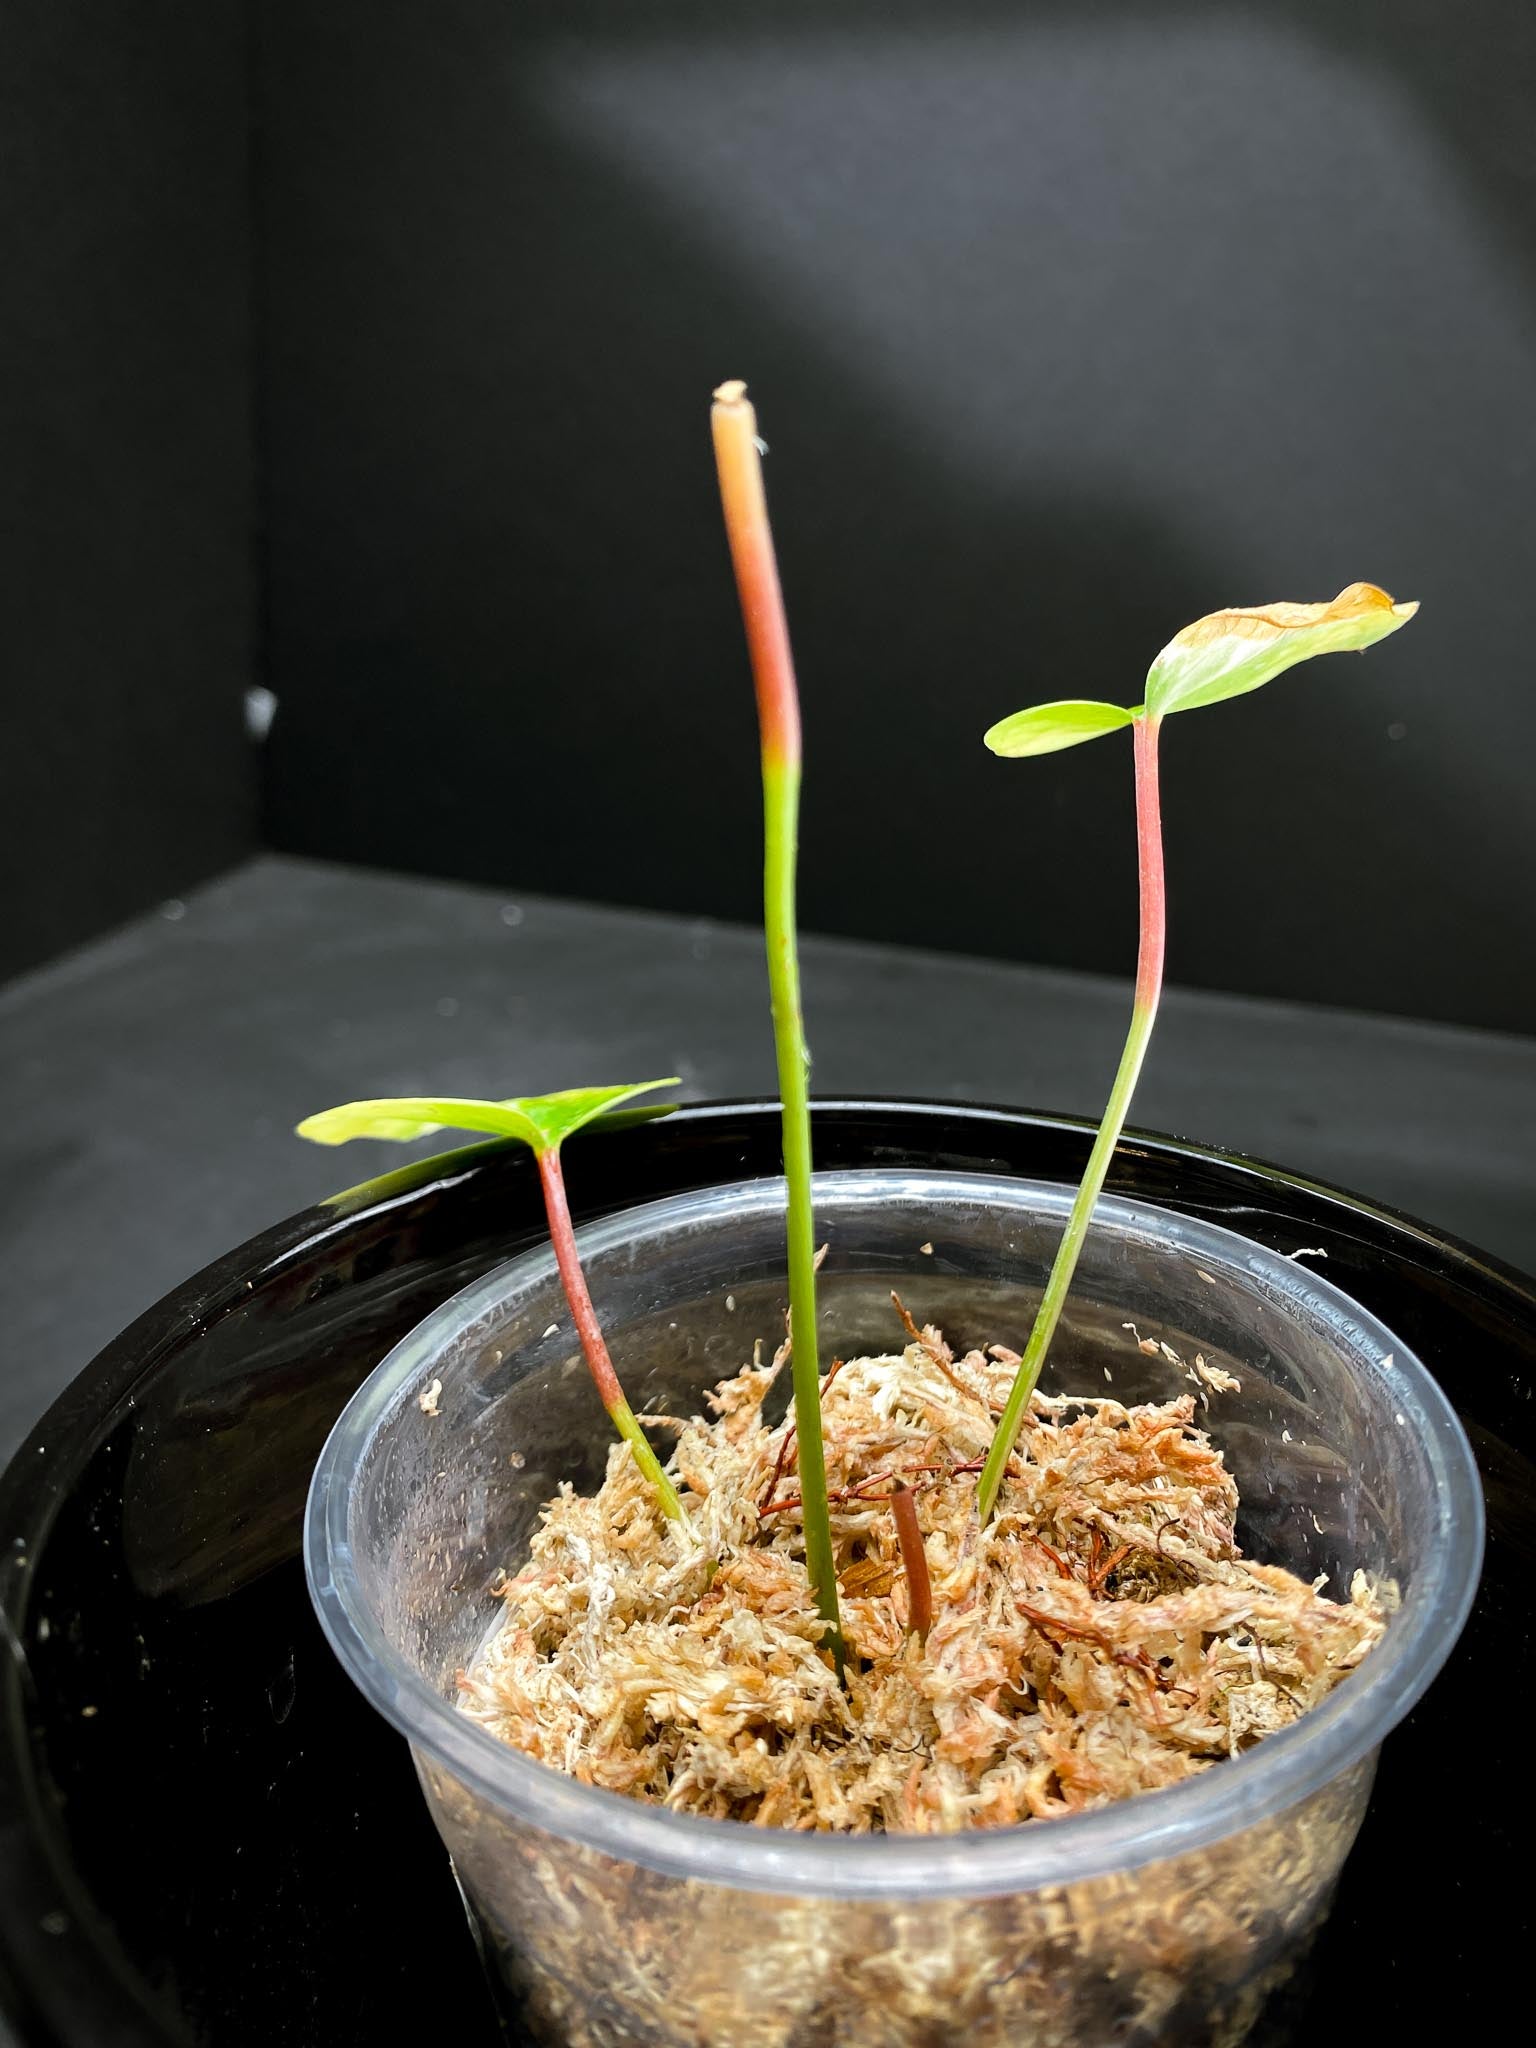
pixel 1167 1918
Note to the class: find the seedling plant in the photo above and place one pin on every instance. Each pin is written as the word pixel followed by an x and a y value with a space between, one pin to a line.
pixel 543 1123
pixel 738 461
pixel 1225 654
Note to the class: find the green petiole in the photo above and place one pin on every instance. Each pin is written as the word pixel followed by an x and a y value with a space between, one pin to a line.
pixel 734 426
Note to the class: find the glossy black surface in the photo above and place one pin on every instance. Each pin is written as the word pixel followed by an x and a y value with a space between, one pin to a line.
pixel 205 1837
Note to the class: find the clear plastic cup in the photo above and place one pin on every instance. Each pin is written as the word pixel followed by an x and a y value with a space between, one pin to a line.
pixel 1167 1918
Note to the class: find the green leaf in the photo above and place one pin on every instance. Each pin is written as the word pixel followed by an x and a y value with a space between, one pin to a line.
pixel 1232 652
pixel 1049 727
pixel 541 1121
pixel 561 1115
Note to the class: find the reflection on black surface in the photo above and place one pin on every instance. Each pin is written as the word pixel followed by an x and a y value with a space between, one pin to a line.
pixel 183 1747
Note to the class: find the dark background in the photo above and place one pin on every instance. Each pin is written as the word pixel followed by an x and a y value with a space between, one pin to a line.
pixel 127 505
pixel 362 352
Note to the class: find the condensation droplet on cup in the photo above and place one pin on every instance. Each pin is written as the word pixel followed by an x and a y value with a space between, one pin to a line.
pixel 173 910
pixel 512 913
pixel 447 1006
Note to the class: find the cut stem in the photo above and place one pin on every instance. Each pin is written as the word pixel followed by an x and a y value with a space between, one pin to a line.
pixel 914 1559
pixel 589 1330
pixel 1149 983
pixel 734 424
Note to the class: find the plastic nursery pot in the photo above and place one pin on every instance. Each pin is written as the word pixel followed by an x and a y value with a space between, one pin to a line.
pixel 1167 1918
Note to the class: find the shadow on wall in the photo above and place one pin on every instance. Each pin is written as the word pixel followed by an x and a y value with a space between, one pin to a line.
pixel 1064 328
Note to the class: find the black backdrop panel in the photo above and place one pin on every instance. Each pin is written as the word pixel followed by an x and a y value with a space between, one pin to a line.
pixel 1067 323
pixel 126 509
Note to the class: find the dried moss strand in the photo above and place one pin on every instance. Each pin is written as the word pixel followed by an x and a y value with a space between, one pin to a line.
pixel 914 1559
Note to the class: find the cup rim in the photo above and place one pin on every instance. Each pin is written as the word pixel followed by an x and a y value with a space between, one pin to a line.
pixel 1278 1772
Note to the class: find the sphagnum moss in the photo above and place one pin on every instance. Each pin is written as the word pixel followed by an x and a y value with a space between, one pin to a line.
pixel 1099 1637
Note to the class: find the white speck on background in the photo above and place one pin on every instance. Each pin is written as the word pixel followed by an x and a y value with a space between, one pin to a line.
pixel 260 709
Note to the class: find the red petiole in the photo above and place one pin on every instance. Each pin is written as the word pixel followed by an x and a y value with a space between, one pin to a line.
pixel 1149 983
pixel 593 1344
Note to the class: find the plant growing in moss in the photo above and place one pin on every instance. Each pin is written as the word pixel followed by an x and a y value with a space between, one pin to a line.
pixel 1223 655
pixel 737 459
pixel 542 1122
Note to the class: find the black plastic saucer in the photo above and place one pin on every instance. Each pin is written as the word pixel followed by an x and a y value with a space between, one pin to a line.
pixel 206 1837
